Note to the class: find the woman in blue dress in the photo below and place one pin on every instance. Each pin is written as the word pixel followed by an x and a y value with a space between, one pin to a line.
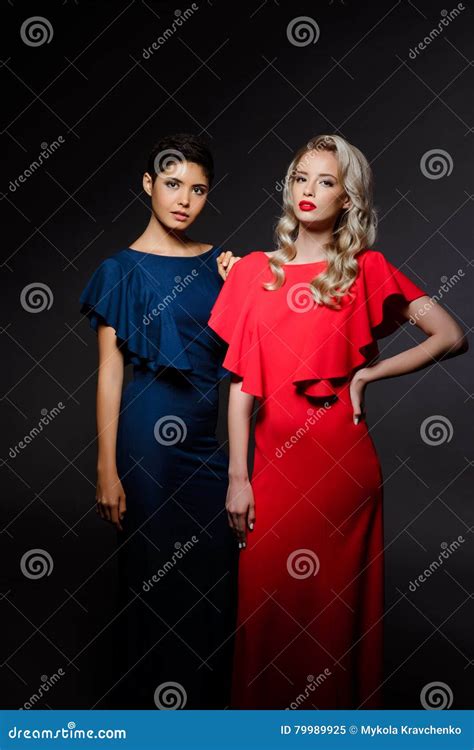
pixel 161 475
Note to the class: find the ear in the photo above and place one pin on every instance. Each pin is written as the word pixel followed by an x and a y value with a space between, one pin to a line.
pixel 347 203
pixel 147 183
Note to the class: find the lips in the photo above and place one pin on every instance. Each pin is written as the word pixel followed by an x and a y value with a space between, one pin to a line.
pixel 306 206
pixel 180 216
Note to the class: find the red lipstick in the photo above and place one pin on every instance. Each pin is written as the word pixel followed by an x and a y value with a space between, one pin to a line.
pixel 306 206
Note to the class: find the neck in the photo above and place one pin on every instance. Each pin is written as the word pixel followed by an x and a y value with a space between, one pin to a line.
pixel 310 243
pixel 156 235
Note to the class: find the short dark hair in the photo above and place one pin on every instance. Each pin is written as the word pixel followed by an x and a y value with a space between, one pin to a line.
pixel 192 147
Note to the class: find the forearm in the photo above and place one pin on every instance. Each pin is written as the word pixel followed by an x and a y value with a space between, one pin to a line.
pixel 109 393
pixel 434 348
pixel 239 416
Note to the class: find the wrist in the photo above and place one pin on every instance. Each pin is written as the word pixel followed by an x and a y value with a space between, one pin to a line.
pixel 106 466
pixel 238 475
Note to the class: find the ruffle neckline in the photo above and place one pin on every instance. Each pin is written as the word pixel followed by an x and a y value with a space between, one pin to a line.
pixel 336 343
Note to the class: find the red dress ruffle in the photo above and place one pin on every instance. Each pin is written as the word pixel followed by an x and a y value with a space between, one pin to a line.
pixel 331 345
pixel 233 319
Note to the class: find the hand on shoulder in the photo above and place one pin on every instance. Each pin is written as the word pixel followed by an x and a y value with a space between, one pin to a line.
pixel 225 261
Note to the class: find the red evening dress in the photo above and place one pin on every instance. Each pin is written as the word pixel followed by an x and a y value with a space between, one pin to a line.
pixel 311 579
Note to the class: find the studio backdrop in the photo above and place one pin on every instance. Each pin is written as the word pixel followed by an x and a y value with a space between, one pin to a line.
pixel 88 88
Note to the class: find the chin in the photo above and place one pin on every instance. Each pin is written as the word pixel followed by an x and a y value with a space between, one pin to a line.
pixel 305 217
pixel 176 224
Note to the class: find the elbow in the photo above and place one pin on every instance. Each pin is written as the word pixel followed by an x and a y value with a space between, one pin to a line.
pixel 463 345
pixel 458 344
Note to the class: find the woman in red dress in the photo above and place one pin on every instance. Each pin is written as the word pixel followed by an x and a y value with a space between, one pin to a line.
pixel 302 324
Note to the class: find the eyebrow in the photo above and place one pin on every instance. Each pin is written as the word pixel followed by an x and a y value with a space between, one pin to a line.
pixel 321 174
pixel 176 179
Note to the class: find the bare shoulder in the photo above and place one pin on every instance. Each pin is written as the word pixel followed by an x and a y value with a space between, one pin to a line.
pixel 199 247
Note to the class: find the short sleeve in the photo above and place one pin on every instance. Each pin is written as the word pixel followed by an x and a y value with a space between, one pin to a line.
pixel 233 319
pixel 118 295
pixel 102 298
pixel 386 290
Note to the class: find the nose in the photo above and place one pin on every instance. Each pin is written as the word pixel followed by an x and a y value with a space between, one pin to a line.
pixel 184 200
pixel 308 191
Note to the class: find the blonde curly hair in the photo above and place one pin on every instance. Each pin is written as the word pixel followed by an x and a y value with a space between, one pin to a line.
pixel 354 229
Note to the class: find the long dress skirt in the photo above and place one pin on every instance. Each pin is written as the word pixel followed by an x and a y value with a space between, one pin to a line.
pixel 311 594
pixel 177 555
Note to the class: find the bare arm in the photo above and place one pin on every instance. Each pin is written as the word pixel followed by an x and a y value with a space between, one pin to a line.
pixel 240 504
pixel 445 339
pixel 110 494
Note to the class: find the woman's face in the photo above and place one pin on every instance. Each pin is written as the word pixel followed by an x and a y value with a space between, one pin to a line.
pixel 316 191
pixel 178 194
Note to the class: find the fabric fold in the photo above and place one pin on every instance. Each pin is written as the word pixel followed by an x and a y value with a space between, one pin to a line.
pixel 120 295
pixel 342 342
pixel 232 318
pixel 335 343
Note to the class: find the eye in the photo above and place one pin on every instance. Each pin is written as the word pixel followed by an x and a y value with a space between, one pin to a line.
pixel 327 182
pixel 300 178
pixel 171 183
pixel 200 190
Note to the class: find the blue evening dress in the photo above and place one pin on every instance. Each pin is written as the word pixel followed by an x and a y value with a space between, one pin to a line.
pixel 177 556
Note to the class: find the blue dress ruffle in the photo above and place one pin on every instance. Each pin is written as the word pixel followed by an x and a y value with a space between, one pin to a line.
pixel 121 295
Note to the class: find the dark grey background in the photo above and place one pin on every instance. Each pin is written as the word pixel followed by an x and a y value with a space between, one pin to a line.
pixel 230 73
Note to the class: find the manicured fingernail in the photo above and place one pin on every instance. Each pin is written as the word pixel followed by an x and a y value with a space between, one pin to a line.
pixel 356 420
pixel 251 526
